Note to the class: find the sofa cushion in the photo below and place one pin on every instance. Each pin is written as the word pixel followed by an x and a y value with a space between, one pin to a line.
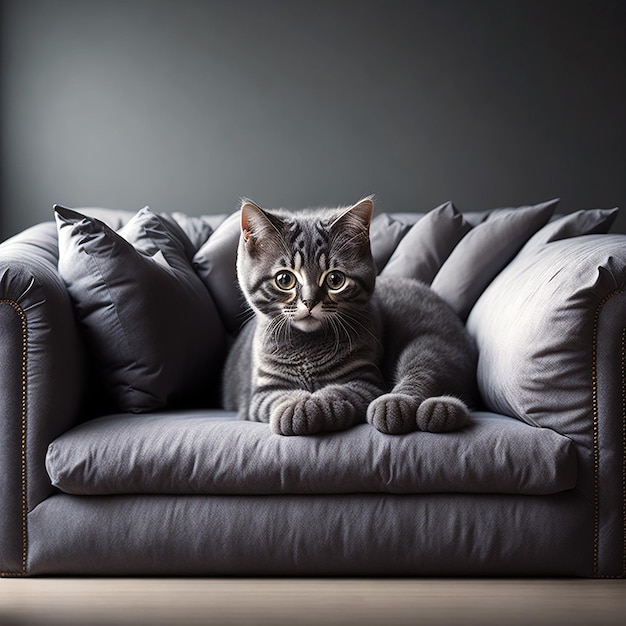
pixel 212 453
pixel 484 251
pixel 536 327
pixel 216 264
pixel 150 323
pixel 386 232
pixel 423 250
pixel 197 228
pixel 583 222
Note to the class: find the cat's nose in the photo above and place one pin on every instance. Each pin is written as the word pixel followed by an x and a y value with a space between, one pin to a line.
pixel 309 304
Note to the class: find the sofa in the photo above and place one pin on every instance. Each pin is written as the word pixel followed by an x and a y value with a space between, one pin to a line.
pixel 116 458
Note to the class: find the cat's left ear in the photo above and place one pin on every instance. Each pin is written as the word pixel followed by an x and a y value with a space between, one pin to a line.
pixel 359 214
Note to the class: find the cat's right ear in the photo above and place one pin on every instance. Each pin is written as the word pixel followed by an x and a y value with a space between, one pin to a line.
pixel 255 222
pixel 250 213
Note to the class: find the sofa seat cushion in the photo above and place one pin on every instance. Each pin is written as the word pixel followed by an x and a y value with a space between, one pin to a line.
pixel 211 452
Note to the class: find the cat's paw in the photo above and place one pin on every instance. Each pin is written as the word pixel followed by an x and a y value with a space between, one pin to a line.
pixel 442 414
pixel 398 413
pixel 307 414
pixel 393 413
pixel 290 417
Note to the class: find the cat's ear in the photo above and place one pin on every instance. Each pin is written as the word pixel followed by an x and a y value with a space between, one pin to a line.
pixel 358 216
pixel 363 211
pixel 255 222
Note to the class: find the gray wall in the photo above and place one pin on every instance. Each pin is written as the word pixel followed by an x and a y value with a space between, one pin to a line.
pixel 189 104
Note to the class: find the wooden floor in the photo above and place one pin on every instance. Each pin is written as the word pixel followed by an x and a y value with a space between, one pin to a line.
pixel 279 602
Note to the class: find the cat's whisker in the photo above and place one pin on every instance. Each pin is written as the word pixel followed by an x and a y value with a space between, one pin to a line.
pixel 335 324
pixel 245 316
pixel 273 331
pixel 346 330
pixel 356 321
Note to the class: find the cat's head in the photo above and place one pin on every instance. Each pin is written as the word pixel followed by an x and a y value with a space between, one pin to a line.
pixel 308 269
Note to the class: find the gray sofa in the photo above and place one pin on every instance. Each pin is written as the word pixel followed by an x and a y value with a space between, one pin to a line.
pixel 115 459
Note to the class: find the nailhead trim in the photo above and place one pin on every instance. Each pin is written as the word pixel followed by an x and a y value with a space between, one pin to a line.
pixel 596 445
pixel 24 324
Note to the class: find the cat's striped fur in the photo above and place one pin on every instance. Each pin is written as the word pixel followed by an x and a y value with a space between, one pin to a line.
pixel 329 345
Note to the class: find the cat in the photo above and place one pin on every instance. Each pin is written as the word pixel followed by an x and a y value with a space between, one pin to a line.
pixel 329 344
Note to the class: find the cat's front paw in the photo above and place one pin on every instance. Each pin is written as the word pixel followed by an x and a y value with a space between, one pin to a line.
pixel 393 413
pixel 442 414
pixel 290 417
pixel 398 413
pixel 307 414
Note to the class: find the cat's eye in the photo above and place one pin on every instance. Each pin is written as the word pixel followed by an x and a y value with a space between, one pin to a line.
pixel 285 280
pixel 335 280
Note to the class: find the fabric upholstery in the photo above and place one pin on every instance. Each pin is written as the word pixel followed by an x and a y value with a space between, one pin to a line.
pixel 38 244
pixel 194 454
pixel 41 379
pixel 307 535
pixel 150 323
pixel 423 250
pixel 484 251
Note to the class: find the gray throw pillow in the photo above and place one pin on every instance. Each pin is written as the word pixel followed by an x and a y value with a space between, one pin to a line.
pixel 197 228
pixel 423 250
pixel 385 234
pixel 583 222
pixel 537 326
pixel 485 251
pixel 216 264
pixel 149 322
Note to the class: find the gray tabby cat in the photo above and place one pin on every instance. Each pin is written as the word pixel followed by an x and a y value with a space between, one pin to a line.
pixel 330 345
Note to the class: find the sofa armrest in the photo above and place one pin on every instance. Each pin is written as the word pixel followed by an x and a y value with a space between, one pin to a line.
pixel 40 380
pixel 551 334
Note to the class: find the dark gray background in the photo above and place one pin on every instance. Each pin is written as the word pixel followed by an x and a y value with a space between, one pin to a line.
pixel 190 104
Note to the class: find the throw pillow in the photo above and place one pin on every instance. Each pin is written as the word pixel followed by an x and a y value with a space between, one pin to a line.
pixel 583 222
pixel 216 265
pixel 422 251
pixel 198 229
pixel 535 326
pixel 150 323
pixel 485 251
pixel 385 234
